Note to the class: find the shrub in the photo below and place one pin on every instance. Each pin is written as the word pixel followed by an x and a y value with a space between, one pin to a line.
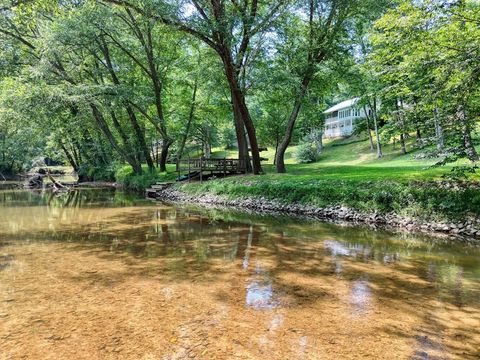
pixel 126 178
pixel 96 173
pixel 306 153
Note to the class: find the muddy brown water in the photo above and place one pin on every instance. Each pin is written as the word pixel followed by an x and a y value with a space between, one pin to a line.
pixel 99 274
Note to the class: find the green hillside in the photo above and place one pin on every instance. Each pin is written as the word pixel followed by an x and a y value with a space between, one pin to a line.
pixel 352 159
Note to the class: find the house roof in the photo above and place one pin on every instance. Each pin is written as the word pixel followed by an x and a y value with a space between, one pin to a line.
pixel 343 105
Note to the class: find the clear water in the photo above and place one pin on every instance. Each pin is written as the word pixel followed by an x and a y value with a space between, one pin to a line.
pixel 103 274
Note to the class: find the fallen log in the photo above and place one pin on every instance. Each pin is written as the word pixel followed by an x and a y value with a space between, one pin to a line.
pixel 56 184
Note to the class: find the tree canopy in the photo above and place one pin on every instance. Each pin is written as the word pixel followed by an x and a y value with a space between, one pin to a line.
pixel 95 83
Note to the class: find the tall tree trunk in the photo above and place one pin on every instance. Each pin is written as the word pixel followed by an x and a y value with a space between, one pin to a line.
pixel 131 114
pixel 140 137
pixel 189 121
pixel 120 131
pixel 164 155
pixel 318 143
pixel 99 119
pixel 375 125
pixel 466 133
pixel 402 143
pixel 419 134
pixel 241 137
pixel 277 141
pixel 144 35
pixel 282 148
pixel 69 156
pixel 369 132
pixel 207 150
pixel 438 130
pixel 401 122
pixel 241 109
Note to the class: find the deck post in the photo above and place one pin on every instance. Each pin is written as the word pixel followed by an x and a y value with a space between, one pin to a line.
pixel 189 169
pixel 201 169
pixel 224 167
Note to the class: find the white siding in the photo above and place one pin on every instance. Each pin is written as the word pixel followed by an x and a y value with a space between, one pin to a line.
pixel 342 122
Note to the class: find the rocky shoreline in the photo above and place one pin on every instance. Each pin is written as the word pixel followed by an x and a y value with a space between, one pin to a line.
pixel 468 231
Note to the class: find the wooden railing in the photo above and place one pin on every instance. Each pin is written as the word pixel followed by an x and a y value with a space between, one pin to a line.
pixel 214 165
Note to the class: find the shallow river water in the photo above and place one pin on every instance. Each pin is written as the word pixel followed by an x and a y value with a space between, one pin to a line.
pixel 98 274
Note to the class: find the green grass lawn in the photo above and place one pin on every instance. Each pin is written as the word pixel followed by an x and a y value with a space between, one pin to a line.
pixel 352 159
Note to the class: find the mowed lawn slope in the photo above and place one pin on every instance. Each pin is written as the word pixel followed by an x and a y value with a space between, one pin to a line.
pixel 352 159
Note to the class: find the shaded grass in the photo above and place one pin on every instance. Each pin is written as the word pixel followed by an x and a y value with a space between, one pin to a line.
pixel 352 159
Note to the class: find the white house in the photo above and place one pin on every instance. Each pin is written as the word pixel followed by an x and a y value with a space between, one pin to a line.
pixel 340 119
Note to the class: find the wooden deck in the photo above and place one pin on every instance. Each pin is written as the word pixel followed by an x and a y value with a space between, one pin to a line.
pixel 213 166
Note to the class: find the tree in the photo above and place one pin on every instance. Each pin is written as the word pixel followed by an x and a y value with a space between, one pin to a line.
pixel 326 25
pixel 229 28
pixel 428 65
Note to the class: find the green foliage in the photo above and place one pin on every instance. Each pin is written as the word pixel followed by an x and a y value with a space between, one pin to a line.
pixel 97 173
pixel 424 58
pixel 306 153
pixel 462 171
pixel 77 79
pixel 21 139
pixel 126 178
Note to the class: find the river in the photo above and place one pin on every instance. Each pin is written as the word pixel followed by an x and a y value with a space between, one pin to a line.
pixel 101 274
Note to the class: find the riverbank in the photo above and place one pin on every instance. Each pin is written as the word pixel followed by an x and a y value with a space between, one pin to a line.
pixel 376 205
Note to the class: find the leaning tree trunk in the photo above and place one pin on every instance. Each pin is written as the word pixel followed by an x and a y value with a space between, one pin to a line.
pixel 162 165
pixel 466 133
pixel 69 156
pixel 140 136
pixel 100 120
pixel 282 148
